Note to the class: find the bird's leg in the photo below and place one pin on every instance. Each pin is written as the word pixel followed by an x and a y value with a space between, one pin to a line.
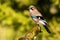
pixel 39 27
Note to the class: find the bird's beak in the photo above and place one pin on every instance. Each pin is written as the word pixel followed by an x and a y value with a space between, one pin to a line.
pixel 27 8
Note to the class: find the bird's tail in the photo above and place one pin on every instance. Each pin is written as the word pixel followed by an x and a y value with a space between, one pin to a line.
pixel 47 29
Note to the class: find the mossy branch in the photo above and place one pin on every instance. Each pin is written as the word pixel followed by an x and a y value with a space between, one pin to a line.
pixel 32 33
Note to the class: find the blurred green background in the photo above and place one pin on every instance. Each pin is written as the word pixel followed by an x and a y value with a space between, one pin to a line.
pixel 15 21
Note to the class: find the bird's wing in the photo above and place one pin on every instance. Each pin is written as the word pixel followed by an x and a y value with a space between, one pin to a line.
pixel 33 16
pixel 42 20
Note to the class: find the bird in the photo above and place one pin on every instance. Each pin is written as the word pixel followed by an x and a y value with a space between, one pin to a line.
pixel 38 17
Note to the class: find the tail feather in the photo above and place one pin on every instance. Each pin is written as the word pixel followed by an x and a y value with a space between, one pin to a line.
pixel 47 29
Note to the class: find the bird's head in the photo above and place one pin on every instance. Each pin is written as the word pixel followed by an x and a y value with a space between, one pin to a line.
pixel 31 8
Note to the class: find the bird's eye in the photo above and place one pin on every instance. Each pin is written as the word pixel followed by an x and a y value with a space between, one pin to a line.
pixel 31 8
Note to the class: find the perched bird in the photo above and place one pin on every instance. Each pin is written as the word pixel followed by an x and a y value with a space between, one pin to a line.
pixel 38 18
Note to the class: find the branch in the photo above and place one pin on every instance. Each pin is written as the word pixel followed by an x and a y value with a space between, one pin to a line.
pixel 32 33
